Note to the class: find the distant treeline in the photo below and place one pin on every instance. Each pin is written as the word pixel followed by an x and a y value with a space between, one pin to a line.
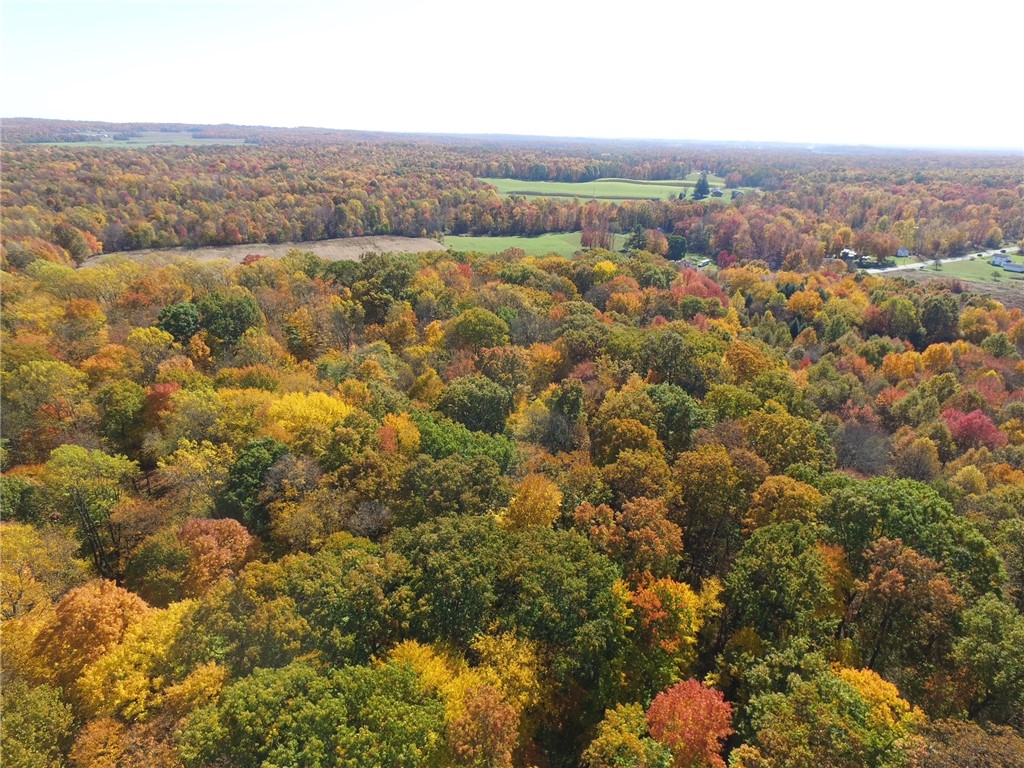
pixel 66 203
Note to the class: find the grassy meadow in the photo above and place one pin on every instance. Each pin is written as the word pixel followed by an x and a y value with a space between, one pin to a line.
pixel 611 190
pixel 978 271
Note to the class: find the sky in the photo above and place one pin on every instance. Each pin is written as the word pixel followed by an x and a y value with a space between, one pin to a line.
pixel 874 72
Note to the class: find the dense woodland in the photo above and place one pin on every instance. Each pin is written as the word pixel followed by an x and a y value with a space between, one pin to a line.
pixel 465 510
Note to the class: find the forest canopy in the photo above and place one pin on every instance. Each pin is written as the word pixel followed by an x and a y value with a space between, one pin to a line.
pixel 457 509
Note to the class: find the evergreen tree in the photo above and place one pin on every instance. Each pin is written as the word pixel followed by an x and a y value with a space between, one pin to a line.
pixel 703 189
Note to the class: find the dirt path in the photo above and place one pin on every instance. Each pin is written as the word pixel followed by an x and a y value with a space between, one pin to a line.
pixel 340 249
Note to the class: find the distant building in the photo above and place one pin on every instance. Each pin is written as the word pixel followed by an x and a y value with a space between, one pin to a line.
pixel 848 254
pixel 999 261
pixel 1014 268
pixel 902 253
pixel 717 193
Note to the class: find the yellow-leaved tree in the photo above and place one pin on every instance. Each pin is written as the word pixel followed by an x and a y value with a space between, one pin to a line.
pixel 537 503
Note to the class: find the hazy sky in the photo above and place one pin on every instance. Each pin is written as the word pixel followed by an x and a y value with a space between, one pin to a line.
pixel 892 72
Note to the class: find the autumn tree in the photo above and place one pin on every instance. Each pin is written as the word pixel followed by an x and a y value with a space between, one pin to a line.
pixel 36 568
pixel 622 741
pixel 903 612
pixel 692 721
pixel 639 536
pixel 782 439
pixel 714 488
pixel 87 623
pixel 782 499
pixel 536 501
pixel 845 717
pixel 43 403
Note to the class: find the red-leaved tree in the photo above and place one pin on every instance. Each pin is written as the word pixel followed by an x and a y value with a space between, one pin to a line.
pixel 973 430
pixel 691 720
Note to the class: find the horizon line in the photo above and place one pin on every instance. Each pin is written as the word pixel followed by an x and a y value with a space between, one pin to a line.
pixel 748 143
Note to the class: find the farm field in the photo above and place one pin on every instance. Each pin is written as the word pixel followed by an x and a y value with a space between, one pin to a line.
pixel 337 249
pixel 611 189
pixel 560 243
pixel 152 139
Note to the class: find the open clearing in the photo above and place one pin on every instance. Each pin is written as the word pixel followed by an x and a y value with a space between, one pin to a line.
pixel 978 271
pixel 1009 292
pixel 339 249
pixel 560 243
pixel 612 190
pixel 150 139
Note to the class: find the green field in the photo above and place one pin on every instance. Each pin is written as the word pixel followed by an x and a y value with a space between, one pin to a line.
pixel 612 190
pixel 150 139
pixel 560 243
pixel 979 271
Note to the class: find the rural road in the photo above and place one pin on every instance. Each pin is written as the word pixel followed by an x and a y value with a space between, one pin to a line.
pixel 923 264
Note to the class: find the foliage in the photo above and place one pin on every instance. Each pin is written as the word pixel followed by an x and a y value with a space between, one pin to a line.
pixel 36 727
pixel 842 718
pixel 691 721
pixel 460 509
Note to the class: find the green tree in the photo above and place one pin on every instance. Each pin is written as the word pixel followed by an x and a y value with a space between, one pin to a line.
pixel 991 649
pixel 779 584
pixel 121 404
pixel 678 416
pixel 477 402
pixel 846 719
pixel 940 316
pixel 566 423
pixel 676 247
pixel 356 717
pixel 240 498
pixel 469 576
pixel 86 485
pixel 861 511
pixel 637 240
pixel 181 320
pixel 36 728
pixel 228 314
pixel 477 328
